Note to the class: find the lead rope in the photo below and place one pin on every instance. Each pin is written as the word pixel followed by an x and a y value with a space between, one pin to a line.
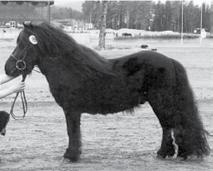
pixel 23 101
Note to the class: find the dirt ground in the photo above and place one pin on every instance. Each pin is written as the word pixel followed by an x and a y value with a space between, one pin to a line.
pixel 114 142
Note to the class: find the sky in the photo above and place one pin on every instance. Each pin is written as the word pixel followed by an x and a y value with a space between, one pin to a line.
pixel 76 4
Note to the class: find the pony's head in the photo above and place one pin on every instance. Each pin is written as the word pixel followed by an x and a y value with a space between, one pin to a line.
pixel 25 55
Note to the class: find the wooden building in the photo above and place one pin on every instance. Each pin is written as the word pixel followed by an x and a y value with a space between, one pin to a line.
pixel 15 12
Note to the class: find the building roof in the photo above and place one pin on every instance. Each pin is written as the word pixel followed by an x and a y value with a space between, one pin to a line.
pixel 33 1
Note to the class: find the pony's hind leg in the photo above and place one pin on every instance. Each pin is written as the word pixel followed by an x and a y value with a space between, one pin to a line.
pixel 161 102
pixel 73 129
pixel 166 149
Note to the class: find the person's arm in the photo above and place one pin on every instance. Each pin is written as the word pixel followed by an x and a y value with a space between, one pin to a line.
pixel 5 78
pixel 13 89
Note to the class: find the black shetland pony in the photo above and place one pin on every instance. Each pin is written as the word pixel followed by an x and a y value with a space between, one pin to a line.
pixel 81 81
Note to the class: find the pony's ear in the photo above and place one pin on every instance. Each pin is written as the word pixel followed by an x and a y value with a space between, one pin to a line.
pixel 27 24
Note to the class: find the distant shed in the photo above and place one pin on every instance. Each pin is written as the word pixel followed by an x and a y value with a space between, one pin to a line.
pixel 24 10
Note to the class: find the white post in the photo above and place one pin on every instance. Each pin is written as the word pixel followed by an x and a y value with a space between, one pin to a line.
pixel 182 22
pixel 49 15
pixel 201 22
pixel 211 18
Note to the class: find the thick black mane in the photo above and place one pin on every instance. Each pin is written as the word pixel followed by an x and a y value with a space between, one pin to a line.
pixel 55 43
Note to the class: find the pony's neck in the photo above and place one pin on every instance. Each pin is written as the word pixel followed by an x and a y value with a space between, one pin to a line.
pixel 47 65
pixel 76 59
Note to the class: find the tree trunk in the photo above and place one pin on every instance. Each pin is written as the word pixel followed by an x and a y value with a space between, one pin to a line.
pixel 211 18
pixel 103 25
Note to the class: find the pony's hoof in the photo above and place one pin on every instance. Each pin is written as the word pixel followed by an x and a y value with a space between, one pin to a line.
pixel 161 155
pixel 73 156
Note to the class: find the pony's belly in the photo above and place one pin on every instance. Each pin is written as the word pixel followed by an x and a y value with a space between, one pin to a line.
pixel 113 102
pixel 107 95
pixel 108 108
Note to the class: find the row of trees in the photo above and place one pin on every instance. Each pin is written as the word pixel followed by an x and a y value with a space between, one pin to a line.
pixel 168 16
pixel 123 14
pixel 147 15
pixel 65 13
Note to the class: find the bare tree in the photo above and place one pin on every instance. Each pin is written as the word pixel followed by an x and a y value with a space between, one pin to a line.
pixel 102 25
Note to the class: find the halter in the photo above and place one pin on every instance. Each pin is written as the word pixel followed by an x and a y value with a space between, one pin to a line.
pixel 21 66
pixel 20 63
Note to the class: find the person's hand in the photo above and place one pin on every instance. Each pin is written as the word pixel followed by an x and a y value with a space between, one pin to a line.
pixel 18 87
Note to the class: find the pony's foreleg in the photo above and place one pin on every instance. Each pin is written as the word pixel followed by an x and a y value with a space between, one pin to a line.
pixel 73 129
pixel 161 101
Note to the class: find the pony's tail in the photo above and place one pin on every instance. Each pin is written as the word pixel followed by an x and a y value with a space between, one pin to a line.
pixel 189 130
